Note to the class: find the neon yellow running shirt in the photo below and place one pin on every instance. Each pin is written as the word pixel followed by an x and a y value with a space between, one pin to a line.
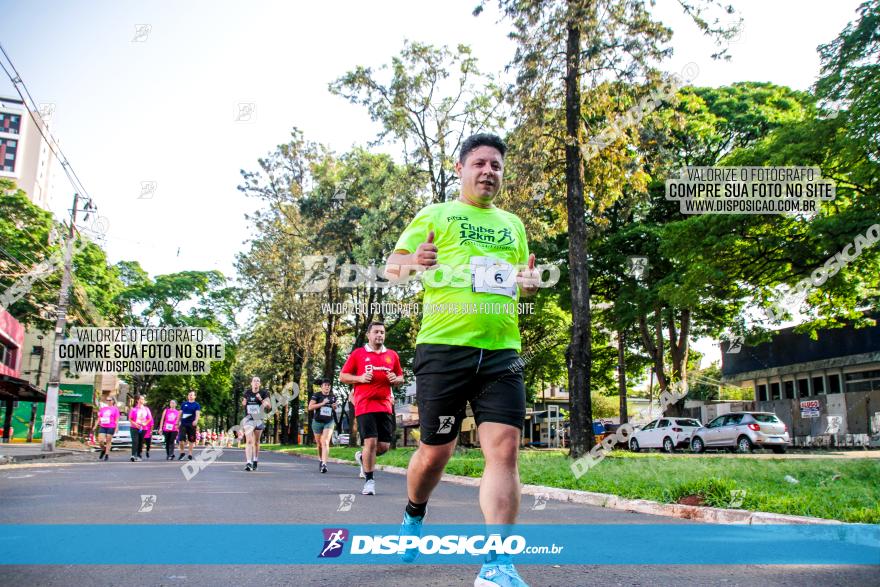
pixel 471 294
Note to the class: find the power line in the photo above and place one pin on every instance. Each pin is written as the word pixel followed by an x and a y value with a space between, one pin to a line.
pixel 51 141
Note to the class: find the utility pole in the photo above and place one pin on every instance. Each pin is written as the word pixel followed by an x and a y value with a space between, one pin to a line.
pixel 50 418
pixel 30 436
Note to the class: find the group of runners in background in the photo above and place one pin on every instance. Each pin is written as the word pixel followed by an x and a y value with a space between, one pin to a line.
pixel 176 425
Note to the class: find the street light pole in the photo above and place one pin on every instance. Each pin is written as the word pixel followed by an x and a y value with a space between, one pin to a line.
pixel 50 418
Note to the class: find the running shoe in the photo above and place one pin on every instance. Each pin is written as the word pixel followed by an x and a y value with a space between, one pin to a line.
pixel 494 574
pixel 148 454
pixel 190 457
pixel 411 526
pixel 180 458
pixel 323 468
pixel 369 487
pixel 255 465
pixel 132 459
pixel 248 467
pixel 359 457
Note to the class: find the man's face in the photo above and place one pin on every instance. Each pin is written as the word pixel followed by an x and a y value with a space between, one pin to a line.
pixel 325 388
pixel 376 336
pixel 255 384
pixel 481 174
pixel 191 396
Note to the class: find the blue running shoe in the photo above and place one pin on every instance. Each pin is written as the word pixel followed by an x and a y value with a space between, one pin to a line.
pixel 494 574
pixel 411 526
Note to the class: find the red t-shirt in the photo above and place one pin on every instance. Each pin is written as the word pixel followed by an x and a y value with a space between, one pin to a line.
pixel 376 395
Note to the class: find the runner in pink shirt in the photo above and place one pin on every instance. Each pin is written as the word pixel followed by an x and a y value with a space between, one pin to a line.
pixel 107 425
pixel 169 425
pixel 148 433
pixel 139 418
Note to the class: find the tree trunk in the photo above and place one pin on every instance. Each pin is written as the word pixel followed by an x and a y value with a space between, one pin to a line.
pixel 655 346
pixel 236 402
pixel 621 374
pixel 578 354
pixel 678 348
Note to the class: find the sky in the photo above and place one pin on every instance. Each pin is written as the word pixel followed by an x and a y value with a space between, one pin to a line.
pixel 181 96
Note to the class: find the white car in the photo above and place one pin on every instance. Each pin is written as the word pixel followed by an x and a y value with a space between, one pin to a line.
pixel 123 434
pixel 666 434
pixel 157 439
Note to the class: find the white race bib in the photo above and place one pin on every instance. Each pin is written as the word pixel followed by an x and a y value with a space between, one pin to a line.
pixel 326 411
pixel 105 420
pixel 253 409
pixel 491 275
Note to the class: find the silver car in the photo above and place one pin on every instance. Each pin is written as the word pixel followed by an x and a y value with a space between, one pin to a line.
pixel 742 431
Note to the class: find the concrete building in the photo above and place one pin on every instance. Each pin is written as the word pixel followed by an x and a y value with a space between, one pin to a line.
pixel 826 390
pixel 78 395
pixel 14 391
pixel 25 156
pixel 544 425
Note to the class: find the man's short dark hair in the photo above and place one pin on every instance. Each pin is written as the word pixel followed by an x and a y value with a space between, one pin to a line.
pixel 375 323
pixel 482 139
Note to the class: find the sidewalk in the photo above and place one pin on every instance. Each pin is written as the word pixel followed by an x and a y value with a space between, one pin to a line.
pixel 29 451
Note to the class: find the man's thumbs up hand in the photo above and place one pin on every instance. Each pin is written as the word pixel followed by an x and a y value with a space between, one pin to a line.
pixel 426 254
pixel 529 278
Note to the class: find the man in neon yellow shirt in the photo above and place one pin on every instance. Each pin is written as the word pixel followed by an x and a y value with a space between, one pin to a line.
pixel 476 263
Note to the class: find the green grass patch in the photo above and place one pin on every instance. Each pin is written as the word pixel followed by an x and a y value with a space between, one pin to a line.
pixel 840 489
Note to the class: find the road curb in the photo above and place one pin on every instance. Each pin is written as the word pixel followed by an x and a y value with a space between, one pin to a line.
pixel 8 459
pixel 696 513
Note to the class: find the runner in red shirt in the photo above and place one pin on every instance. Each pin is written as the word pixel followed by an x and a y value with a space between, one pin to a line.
pixel 372 370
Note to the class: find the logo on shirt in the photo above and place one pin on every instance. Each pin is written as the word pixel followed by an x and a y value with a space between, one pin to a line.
pixel 482 236
pixel 334 540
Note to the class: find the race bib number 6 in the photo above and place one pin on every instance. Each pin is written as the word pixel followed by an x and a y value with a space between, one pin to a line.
pixel 491 275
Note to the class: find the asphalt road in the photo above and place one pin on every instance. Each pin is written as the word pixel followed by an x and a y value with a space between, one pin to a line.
pixel 289 490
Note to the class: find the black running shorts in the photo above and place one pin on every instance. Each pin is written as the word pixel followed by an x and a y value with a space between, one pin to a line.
pixel 448 377
pixel 378 425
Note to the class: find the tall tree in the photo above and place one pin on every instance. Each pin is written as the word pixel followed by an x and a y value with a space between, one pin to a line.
pixel 426 111
pixel 560 42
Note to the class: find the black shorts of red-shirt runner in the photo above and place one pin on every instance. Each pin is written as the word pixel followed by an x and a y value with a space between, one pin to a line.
pixel 379 425
pixel 449 377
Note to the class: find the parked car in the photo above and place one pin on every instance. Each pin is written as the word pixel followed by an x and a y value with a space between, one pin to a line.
pixel 666 434
pixel 157 439
pixel 743 431
pixel 342 439
pixel 123 434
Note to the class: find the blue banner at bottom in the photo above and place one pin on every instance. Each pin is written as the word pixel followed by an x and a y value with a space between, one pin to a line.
pixel 289 544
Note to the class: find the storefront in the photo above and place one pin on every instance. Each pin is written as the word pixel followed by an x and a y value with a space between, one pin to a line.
pixel 74 413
